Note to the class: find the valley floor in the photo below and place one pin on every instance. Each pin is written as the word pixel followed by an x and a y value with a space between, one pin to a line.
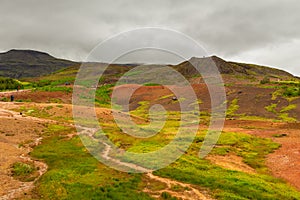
pixel 20 133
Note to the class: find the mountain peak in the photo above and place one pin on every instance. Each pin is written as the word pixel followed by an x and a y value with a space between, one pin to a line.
pixel 226 67
pixel 29 63
pixel 29 51
pixel 25 55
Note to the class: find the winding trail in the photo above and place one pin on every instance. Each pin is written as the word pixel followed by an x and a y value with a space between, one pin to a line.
pixel 189 192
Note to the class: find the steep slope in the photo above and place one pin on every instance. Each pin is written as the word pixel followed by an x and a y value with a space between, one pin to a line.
pixel 29 63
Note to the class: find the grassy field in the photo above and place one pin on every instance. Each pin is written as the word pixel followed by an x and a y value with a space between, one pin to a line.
pixel 74 174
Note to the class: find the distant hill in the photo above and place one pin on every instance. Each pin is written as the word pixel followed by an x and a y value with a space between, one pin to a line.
pixel 233 68
pixel 29 63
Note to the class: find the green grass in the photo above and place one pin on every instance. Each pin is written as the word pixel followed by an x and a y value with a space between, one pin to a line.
pixel 23 171
pixel 271 108
pixel 279 135
pixel 103 94
pixel 277 93
pixel 52 129
pixel 292 91
pixel 288 108
pixel 283 113
pixel 230 184
pixel 286 118
pixel 74 174
pixel 252 149
pixel 166 195
pixel 223 183
pixel 9 84
pixel 5 99
pixel 151 84
pixel 233 107
pixel 55 89
pixel 35 111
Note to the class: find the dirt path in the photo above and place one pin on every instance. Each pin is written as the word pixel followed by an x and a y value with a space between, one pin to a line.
pixel 26 187
pixel 188 191
pixel 13 92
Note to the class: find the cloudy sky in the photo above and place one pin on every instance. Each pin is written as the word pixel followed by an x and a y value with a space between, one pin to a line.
pixel 263 32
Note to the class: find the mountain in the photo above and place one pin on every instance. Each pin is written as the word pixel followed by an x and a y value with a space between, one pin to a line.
pixel 233 68
pixel 29 63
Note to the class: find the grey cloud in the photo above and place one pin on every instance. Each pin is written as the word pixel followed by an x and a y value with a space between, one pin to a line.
pixel 228 28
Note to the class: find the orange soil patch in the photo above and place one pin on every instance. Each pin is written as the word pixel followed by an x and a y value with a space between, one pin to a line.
pixel 284 162
pixel 39 96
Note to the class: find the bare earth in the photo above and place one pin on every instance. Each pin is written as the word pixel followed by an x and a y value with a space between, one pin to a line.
pixel 17 137
pixel 284 162
pixel 232 162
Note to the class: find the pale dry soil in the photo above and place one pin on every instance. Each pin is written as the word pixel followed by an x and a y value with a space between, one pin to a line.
pixel 232 162
pixel 18 135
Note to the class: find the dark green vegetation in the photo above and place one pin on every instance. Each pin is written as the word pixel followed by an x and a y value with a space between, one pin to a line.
pixel 23 171
pixel 9 84
pixel 28 63
pixel 102 95
pixel 287 88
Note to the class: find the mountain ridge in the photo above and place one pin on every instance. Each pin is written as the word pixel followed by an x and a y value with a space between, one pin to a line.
pixel 229 67
pixel 31 63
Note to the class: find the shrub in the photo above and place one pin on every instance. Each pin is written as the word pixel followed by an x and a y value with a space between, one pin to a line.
pixel 9 84
pixel 265 80
pixel 292 91
pixel 23 171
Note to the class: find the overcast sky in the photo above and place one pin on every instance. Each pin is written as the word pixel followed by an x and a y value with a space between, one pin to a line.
pixel 264 32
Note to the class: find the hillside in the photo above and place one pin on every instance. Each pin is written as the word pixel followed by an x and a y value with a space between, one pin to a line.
pixel 29 63
pixel 233 68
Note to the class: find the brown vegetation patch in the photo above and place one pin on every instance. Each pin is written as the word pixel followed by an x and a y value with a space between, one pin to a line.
pixel 232 162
